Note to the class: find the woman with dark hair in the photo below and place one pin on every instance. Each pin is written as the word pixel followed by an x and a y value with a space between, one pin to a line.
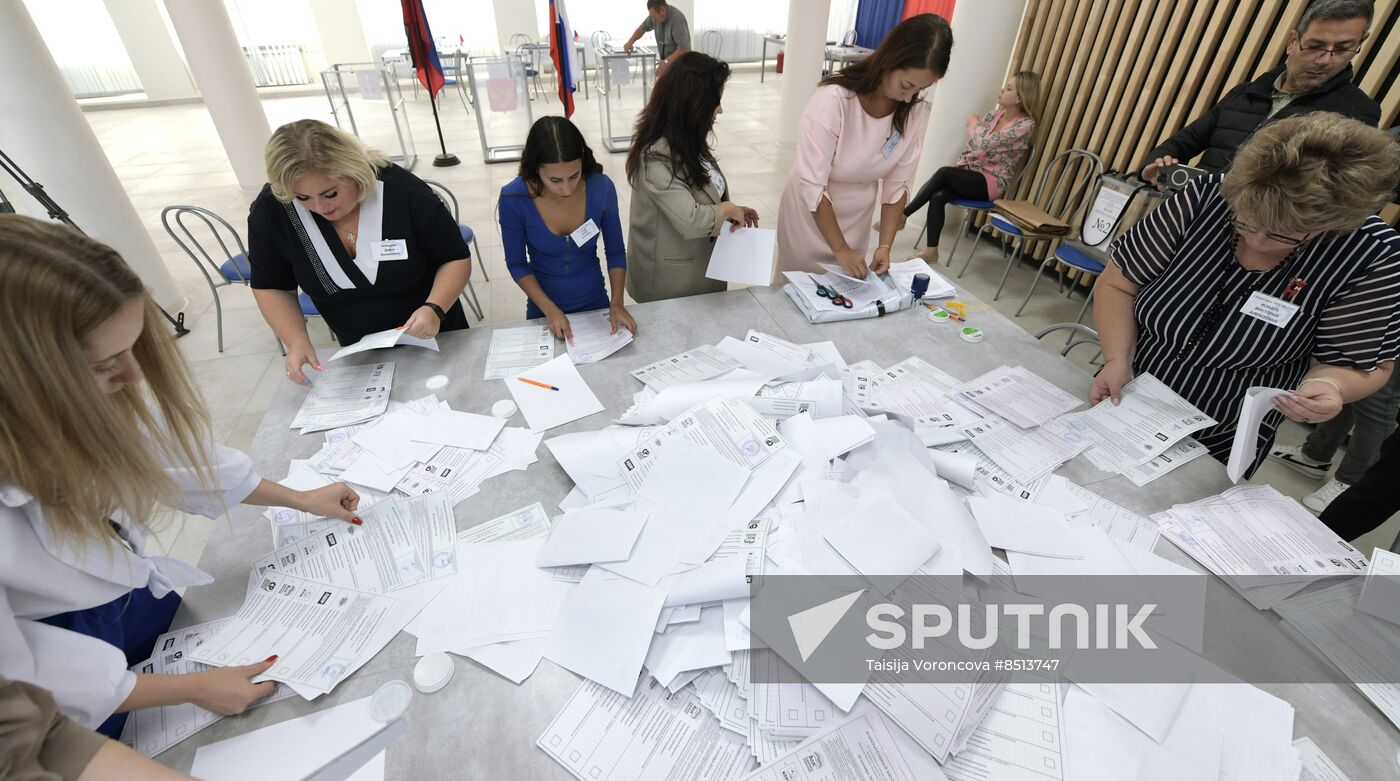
pixel 679 196
pixel 551 217
pixel 858 145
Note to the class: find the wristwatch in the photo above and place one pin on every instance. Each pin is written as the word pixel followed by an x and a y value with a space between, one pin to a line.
pixel 437 310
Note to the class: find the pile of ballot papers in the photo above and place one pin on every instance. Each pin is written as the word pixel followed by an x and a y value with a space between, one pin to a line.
pixel 755 457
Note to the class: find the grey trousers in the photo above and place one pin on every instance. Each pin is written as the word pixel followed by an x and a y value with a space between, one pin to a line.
pixel 1373 418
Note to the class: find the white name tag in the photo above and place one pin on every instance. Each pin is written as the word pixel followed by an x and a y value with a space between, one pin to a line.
pixel 891 144
pixel 585 232
pixel 1274 311
pixel 390 249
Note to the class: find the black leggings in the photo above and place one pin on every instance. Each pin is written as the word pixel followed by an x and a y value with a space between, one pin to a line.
pixel 1371 500
pixel 946 184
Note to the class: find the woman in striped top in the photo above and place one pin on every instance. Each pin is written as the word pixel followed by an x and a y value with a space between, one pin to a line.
pixel 1276 273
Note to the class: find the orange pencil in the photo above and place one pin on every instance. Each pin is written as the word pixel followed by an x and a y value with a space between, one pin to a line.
pixel 537 384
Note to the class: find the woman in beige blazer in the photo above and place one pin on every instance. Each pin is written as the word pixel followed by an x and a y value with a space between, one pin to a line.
pixel 679 196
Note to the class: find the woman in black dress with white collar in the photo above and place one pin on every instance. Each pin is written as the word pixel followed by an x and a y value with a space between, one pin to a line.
pixel 370 244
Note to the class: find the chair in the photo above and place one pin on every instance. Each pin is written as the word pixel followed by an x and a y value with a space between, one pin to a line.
pixel 228 266
pixel 459 65
pixel 523 45
pixel 469 236
pixel 712 43
pixel 972 207
pixel 1090 336
pixel 1069 189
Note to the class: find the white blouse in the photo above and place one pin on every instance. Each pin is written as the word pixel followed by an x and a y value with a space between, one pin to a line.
pixel 41 576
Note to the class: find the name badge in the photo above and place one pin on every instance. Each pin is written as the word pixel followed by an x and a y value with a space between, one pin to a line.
pixel 390 249
pixel 585 232
pixel 1274 311
pixel 891 144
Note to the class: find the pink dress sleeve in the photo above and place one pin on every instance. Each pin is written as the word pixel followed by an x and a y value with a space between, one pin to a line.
pixel 817 136
pixel 895 185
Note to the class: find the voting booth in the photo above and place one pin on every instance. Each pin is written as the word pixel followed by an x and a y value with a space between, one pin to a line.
pixel 620 71
pixel 372 83
pixel 501 93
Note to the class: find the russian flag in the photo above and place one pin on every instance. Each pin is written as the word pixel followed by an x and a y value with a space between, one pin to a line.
pixel 421 47
pixel 564 54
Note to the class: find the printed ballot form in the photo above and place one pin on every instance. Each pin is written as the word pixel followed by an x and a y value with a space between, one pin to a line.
pixel 403 542
pixel 1149 419
pixel 513 350
pixel 319 632
pixel 864 747
pixel 729 428
pixel 697 365
pixel 344 396
pixel 1024 455
pixel 1014 393
pixel 384 339
pixel 592 337
pixel 604 736
pixel 1257 403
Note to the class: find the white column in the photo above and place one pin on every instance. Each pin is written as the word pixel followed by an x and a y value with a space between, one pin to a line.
pixel 518 16
pixel 222 74
pixel 152 52
pixel 342 35
pixel 984 35
pixel 56 147
pixel 802 62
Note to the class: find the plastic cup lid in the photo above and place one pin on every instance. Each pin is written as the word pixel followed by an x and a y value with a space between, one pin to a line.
pixel 939 315
pixel 433 672
pixel 503 408
pixel 437 382
pixel 970 334
pixel 390 701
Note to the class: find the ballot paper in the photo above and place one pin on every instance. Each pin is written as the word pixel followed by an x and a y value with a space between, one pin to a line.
pixel 1149 420
pixel 863 747
pixel 455 429
pixel 605 628
pixel 676 399
pixel 514 350
pixel 1183 452
pixel 592 338
pixel 824 398
pixel 688 479
pixel 592 535
pixel 994 479
pixel 902 277
pixel 743 256
pixel 320 633
pixel 1255 531
pixel 544 408
pixel 325 744
pixel 883 541
pixel 300 477
pixel 862 292
pixel 695 365
pixel 1257 403
pixel 914 401
pixel 153 730
pixel 403 542
pixel 728 428
pixel 690 646
pixel 1018 395
pixel 1120 522
pixel 1023 527
pixel 388 440
pixel 346 395
pixel 1316 765
pixel 453 471
pixel 603 735
pixel 1020 739
pixel 1024 455
pixel 383 339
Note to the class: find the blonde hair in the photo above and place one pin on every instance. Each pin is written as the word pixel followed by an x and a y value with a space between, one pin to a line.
pixel 1313 173
pixel 310 146
pixel 1032 98
pixel 81 453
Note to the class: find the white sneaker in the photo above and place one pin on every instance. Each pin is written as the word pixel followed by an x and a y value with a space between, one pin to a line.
pixel 1318 500
pixel 1292 457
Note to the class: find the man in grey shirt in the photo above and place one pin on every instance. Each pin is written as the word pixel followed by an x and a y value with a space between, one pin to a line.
pixel 672 33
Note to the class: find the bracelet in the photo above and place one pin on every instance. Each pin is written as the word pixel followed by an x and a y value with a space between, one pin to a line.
pixel 885 246
pixel 1331 382
pixel 437 310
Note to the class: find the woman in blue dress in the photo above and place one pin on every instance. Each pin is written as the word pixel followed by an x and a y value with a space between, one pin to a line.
pixel 552 216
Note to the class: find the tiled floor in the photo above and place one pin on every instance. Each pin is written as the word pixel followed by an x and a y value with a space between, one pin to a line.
pixel 171 154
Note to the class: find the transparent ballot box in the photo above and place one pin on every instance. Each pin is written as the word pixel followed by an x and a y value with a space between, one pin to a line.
pixel 624 82
pixel 357 86
pixel 501 99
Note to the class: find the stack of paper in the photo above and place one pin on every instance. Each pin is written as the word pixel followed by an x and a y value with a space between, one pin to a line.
pixel 346 395
pixel 1024 455
pixel 697 365
pixel 513 350
pixel 592 337
pixel 1016 394
pixel 1264 544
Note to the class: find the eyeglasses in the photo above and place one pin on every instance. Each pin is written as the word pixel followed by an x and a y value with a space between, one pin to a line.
pixel 1244 227
pixel 1317 52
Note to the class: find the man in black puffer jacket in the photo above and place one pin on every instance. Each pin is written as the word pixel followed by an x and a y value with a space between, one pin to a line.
pixel 1315 76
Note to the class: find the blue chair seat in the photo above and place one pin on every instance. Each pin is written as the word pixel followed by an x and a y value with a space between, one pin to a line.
pixel 307 307
pixel 968 203
pixel 468 235
pixel 236 269
pixel 1078 258
pixel 1006 226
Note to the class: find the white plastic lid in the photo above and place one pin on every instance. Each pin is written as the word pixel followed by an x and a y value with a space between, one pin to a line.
pixel 970 334
pixel 390 701
pixel 939 316
pixel 433 672
pixel 437 382
pixel 504 408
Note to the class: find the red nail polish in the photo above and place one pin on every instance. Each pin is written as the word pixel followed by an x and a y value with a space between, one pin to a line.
pixel 358 521
pixel 272 658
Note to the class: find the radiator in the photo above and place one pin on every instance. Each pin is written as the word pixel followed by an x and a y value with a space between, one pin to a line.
pixel 276 65
pixel 91 81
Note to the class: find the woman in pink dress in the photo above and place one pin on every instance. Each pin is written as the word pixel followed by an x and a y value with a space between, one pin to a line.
pixel 997 144
pixel 857 146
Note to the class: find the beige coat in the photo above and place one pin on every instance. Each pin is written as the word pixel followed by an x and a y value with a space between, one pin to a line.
pixel 670 234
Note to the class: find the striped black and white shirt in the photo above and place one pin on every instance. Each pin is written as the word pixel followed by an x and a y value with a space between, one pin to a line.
pixel 1180 255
